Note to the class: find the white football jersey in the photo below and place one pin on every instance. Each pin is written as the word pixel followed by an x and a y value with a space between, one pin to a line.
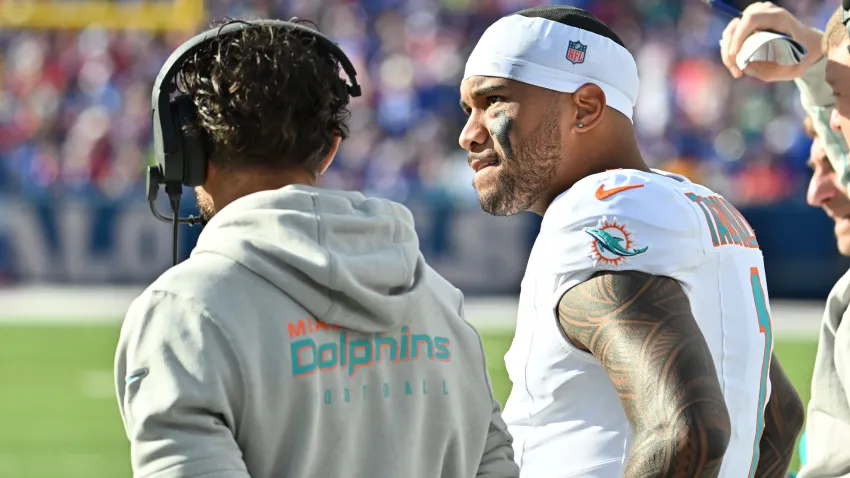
pixel 563 411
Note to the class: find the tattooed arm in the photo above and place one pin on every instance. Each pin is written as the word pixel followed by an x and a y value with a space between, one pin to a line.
pixel 641 328
pixel 783 420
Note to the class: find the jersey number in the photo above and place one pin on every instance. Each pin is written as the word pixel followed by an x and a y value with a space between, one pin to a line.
pixel 765 328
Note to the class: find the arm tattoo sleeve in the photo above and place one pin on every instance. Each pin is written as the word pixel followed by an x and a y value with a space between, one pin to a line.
pixel 783 421
pixel 641 329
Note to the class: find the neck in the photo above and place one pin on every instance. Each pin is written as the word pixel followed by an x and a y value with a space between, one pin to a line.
pixel 244 183
pixel 623 154
pixel 601 155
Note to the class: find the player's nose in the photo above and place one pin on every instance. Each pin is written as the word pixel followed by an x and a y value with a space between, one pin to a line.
pixel 474 134
pixel 822 189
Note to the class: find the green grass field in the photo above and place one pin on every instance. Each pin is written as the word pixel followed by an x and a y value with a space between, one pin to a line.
pixel 59 416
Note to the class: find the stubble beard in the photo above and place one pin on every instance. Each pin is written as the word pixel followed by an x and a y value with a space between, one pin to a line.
pixel 523 179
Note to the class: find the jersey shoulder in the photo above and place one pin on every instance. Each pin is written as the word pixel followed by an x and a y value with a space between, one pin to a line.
pixel 624 219
pixel 659 201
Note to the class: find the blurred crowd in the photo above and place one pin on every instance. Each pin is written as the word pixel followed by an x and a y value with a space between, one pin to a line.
pixel 75 117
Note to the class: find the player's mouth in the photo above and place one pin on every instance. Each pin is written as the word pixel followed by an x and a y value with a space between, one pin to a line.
pixel 838 214
pixel 483 163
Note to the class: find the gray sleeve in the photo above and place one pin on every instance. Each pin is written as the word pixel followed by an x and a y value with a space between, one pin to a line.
pixel 179 391
pixel 841 353
pixel 498 459
pixel 814 90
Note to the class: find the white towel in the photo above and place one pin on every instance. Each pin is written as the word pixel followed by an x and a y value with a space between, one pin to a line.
pixel 770 47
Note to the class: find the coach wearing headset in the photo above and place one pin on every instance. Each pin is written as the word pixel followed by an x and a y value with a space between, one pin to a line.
pixel 823 78
pixel 305 336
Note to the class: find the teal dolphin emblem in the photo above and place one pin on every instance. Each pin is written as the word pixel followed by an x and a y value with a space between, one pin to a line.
pixel 609 243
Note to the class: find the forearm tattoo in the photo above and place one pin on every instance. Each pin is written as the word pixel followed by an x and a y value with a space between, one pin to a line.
pixel 783 421
pixel 641 329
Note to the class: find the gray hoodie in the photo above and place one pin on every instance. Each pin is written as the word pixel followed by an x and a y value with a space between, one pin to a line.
pixel 307 337
pixel 828 418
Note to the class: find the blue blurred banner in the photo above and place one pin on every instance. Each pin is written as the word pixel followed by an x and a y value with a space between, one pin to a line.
pixel 86 242
pixel 91 242
pixel 81 242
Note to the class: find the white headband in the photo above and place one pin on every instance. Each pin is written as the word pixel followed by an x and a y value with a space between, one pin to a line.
pixel 557 57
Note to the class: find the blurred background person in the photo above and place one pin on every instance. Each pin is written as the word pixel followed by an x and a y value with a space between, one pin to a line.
pixel 821 77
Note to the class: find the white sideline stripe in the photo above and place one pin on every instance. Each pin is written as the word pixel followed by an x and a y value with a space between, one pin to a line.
pixel 58 305
pixel 97 384
pixel 65 305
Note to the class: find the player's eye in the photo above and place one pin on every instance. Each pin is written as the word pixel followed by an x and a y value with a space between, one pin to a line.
pixel 491 100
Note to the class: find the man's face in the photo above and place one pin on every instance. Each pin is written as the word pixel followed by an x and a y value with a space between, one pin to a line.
pixel 838 77
pixel 826 192
pixel 513 139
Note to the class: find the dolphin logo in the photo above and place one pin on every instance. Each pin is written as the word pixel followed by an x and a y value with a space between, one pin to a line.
pixel 609 243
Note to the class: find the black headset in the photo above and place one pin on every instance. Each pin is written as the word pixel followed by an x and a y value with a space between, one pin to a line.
pixel 181 156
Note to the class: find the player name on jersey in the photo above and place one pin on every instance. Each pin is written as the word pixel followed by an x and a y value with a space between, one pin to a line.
pixel 725 223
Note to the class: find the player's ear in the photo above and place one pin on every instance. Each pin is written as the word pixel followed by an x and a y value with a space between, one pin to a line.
pixel 331 155
pixel 589 105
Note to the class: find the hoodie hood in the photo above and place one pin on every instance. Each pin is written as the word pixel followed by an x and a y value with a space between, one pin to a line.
pixel 349 260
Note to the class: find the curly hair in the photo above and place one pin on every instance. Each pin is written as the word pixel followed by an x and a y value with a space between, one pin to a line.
pixel 266 97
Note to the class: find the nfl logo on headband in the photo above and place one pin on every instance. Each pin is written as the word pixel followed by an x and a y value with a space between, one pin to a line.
pixel 576 51
pixel 520 48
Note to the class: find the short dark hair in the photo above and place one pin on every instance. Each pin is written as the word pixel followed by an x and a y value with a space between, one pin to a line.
pixel 574 17
pixel 266 98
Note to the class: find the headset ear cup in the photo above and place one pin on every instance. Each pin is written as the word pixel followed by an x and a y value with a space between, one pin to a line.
pixel 192 140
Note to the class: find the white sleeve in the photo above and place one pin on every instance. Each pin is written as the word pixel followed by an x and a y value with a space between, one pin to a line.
pixel 179 391
pixel 647 227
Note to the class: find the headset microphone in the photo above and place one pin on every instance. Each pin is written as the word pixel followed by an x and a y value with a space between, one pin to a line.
pixel 174 190
pixel 181 152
